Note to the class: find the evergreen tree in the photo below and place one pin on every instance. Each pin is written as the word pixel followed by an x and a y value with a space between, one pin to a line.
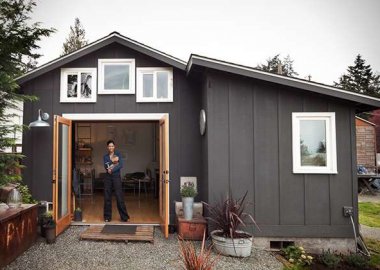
pixel 18 38
pixel 279 66
pixel 360 79
pixel 76 40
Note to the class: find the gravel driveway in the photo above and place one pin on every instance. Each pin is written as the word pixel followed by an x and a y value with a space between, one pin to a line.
pixel 71 253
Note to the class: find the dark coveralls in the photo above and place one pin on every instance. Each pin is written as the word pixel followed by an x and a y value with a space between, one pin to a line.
pixel 113 180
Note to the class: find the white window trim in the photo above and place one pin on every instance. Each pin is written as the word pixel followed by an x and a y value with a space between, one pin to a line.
pixel 114 116
pixel 331 159
pixel 63 93
pixel 153 70
pixel 118 61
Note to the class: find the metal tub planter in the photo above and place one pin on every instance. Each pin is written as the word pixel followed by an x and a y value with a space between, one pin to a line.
pixel 237 247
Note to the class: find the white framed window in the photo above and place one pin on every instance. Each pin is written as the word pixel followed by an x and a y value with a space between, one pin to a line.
pixel 116 76
pixel 78 85
pixel 154 84
pixel 314 143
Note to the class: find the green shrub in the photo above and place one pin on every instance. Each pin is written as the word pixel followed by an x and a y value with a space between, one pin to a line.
pixel 188 190
pixel 357 260
pixel 25 193
pixel 329 259
pixel 297 256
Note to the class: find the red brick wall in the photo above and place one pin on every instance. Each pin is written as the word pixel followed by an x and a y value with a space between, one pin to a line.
pixel 365 143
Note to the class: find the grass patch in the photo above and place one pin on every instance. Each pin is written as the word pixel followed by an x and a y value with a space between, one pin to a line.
pixel 369 214
pixel 374 247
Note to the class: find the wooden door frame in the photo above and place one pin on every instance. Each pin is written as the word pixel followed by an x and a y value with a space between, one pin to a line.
pixel 112 117
pixel 63 223
pixel 164 175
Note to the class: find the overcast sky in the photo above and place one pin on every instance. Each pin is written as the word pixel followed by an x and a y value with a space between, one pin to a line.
pixel 321 36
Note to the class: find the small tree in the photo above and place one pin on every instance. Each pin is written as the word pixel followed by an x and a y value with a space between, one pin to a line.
pixel 76 40
pixel 360 79
pixel 279 66
pixel 18 38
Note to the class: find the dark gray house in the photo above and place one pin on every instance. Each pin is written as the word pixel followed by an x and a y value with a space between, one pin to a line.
pixel 290 143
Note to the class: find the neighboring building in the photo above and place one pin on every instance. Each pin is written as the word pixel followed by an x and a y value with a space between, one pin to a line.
pixel 375 118
pixel 365 143
pixel 289 142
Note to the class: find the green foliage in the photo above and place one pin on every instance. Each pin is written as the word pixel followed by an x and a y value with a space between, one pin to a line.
pixel 76 40
pixel 374 248
pixel 78 209
pixel 357 260
pixel 18 45
pixel 279 66
pixel 330 259
pixel 293 267
pixel 369 214
pixel 360 79
pixel 48 214
pixel 9 168
pixel 26 196
pixel 297 256
pixel 188 190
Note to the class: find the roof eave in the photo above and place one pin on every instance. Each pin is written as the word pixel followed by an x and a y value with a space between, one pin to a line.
pixel 96 45
pixel 196 60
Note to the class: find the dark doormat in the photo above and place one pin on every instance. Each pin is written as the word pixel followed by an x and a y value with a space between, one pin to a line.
pixel 119 233
pixel 119 229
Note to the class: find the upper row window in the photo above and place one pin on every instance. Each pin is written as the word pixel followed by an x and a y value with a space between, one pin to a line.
pixel 78 85
pixel 116 76
pixel 154 85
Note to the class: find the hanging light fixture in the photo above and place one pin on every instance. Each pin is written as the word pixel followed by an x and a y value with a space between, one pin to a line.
pixel 41 121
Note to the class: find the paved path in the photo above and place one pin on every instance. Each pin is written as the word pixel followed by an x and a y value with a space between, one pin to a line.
pixel 370 232
pixel 369 198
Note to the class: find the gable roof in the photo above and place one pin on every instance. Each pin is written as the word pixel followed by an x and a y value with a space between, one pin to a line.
pixel 364 102
pixel 365 121
pixel 206 62
pixel 111 38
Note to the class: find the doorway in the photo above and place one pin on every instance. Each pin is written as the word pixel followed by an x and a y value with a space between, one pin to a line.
pixel 138 144
pixel 143 140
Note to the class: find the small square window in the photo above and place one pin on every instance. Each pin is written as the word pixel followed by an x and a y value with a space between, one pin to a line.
pixel 314 143
pixel 78 85
pixel 154 85
pixel 116 76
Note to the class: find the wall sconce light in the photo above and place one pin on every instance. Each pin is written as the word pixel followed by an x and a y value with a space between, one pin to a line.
pixel 41 121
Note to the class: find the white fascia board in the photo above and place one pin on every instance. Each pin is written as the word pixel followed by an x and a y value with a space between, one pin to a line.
pixel 114 116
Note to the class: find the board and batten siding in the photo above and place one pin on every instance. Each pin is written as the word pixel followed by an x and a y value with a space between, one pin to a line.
pixel 249 141
pixel 185 140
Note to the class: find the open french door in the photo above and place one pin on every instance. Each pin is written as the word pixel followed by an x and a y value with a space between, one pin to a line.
pixel 62 173
pixel 164 175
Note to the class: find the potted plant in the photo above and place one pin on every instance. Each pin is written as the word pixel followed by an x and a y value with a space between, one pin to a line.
pixel 225 218
pixel 44 219
pixel 188 192
pixel 50 231
pixel 78 214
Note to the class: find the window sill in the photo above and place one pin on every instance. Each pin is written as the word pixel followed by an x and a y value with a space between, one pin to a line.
pixel 155 101
pixel 117 92
pixel 311 171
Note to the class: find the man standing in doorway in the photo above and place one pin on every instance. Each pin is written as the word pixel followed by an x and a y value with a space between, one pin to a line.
pixel 113 162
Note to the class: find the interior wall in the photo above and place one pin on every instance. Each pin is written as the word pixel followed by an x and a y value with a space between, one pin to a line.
pixel 135 142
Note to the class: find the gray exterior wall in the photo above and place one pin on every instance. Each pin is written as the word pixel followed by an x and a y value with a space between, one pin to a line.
pixel 247 145
pixel 185 141
pixel 249 148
